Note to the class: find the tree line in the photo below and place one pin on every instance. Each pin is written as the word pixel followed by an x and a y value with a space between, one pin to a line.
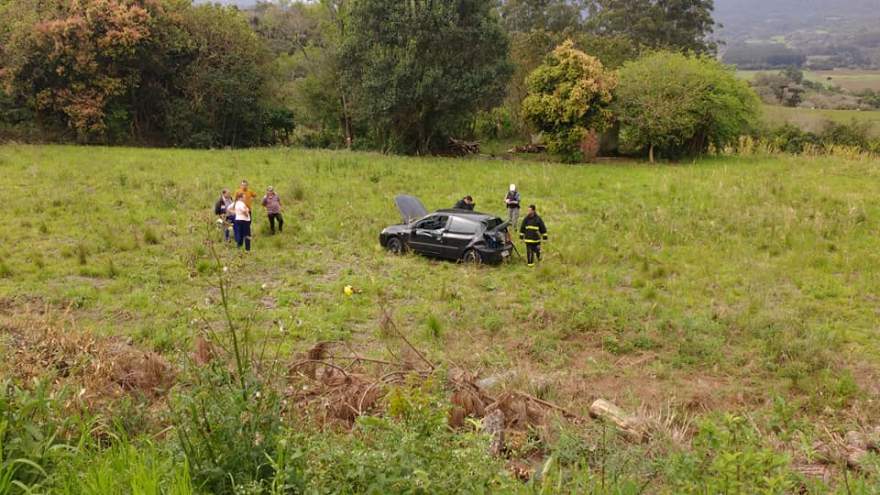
pixel 392 75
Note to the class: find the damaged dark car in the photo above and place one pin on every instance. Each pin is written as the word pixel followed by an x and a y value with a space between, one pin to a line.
pixel 462 235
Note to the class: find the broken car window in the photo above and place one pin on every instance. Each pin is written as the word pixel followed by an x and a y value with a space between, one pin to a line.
pixel 436 222
pixel 460 225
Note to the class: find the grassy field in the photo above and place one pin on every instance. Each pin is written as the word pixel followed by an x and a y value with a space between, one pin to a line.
pixel 847 79
pixel 748 286
pixel 814 120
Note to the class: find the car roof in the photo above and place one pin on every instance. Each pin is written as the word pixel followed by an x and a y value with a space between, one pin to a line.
pixel 467 213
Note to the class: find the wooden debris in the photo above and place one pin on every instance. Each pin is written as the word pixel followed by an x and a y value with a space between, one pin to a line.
pixel 460 147
pixel 630 426
pixel 493 425
pixel 528 148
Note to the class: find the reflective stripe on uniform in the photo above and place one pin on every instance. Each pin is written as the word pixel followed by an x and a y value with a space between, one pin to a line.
pixel 532 227
pixel 532 241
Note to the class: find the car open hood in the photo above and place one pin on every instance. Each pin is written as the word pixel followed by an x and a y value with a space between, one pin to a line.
pixel 411 209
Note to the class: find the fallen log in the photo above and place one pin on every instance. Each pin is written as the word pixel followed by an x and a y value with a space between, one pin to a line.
pixel 631 427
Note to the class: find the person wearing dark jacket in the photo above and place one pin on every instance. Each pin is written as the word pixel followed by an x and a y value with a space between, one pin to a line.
pixel 533 231
pixel 512 202
pixel 225 215
pixel 465 203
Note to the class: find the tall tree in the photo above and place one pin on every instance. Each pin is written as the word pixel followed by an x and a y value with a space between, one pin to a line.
pixel 557 16
pixel 684 25
pixel 420 69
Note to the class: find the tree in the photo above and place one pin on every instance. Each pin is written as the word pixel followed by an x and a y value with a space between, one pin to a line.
pixel 158 71
pixel 680 105
pixel 685 25
pixel 420 69
pixel 569 96
pixel 219 94
pixel 78 59
pixel 558 16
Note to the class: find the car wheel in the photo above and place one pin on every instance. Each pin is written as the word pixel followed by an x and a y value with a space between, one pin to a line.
pixel 472 257
pixel 395 245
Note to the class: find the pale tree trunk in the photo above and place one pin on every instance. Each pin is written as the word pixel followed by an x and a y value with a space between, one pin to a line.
pixel 346 120
pixel 651 153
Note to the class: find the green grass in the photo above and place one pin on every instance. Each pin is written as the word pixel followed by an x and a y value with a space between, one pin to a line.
pixel 814 120
pixel 718 285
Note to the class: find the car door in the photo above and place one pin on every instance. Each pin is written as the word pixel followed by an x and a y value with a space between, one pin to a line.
pixel 427 235
pixel 459 234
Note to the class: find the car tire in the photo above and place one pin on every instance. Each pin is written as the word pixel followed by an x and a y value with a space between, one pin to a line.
pixel 395 245
pixel 472 257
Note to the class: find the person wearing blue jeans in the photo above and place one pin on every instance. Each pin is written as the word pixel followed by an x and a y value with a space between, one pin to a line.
pixel 242 225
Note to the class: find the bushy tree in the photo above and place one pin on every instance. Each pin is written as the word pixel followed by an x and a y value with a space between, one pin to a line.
pixel 681 104
pixel 419 70
pixel 156 71
pixel 569 95
pixel 78 59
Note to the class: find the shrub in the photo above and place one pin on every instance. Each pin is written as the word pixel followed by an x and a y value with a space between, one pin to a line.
pixel 853 134
pixel 497 123
pixel 229 433
pixel 728 457
pixel 569 96
pixel 415 453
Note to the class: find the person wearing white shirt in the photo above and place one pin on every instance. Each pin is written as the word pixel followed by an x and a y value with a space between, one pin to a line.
pixel 242 222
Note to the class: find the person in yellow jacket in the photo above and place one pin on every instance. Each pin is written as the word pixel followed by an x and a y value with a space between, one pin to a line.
pixel 246 194
pixel 533 231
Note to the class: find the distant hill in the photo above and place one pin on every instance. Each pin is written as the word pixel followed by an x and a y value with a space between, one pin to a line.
pixel 764 19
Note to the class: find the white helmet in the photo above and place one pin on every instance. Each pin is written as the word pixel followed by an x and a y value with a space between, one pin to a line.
pixel 513 187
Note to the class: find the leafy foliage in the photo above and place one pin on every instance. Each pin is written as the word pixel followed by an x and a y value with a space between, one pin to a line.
pixel 684 25
pixel 569 95
pixel 681 105
pixel 414 453
pixel 139 70
pixel 728 458
pixel 420 70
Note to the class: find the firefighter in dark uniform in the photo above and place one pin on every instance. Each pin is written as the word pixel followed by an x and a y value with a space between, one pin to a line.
pixel 533 231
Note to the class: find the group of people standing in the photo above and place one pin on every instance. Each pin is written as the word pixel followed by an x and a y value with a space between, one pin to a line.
pixel 234 213
pixel 532 231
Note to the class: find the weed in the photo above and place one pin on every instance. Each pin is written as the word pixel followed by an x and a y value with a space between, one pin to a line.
pixel 82 254
pixel 150 236
pixel 435 328
pixel 5 270
pixel 112 271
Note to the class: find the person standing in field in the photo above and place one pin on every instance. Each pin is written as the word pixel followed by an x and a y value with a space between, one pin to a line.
pixel 242 222
pixel 533 231
pixel 272 203
pixel 512 202
pixel 225 215
pixel 248 197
